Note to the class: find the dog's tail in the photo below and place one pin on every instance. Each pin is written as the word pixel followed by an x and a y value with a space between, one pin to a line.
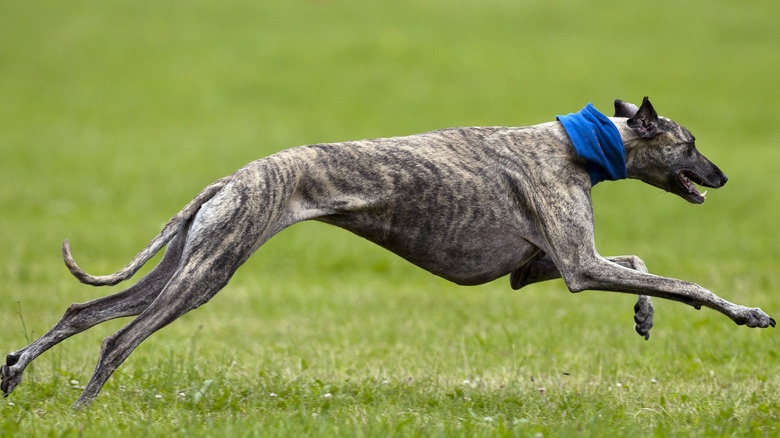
pixel 170 230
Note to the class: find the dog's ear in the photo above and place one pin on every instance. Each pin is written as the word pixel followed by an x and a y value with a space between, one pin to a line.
pixel 625 109
pixel 645 121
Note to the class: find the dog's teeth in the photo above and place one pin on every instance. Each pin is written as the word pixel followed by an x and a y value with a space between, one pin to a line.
pixel 704 195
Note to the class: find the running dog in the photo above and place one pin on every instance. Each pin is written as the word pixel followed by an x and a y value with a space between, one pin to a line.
pixel 467 204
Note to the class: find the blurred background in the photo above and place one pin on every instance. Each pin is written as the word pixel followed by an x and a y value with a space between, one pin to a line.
pixel 114 114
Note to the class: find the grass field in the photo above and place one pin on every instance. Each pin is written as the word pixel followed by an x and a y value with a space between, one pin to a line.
pixel 114 114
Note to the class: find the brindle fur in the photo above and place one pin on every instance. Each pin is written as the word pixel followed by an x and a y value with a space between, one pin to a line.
pixel 467 204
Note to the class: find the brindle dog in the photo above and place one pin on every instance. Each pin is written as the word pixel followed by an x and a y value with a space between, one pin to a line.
pixel 467 204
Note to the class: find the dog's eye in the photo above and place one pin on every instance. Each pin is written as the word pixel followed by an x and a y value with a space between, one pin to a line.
pixel 684 149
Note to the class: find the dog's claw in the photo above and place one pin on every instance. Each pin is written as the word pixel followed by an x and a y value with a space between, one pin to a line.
pixel 643 333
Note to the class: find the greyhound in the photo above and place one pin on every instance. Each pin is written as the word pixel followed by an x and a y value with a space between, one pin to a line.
pixel 468 204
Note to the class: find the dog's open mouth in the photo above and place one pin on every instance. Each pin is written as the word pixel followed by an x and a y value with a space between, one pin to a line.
pixel 691 193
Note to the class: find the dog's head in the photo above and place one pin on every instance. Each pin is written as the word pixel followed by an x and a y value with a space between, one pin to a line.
pixel 662 153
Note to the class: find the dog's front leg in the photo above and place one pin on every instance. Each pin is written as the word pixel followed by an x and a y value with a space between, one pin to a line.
pixel 600 274
pixel 643 309
pixel 567 226
pixel 542 268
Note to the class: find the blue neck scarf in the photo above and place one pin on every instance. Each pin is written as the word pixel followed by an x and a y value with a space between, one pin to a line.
pixel 598 141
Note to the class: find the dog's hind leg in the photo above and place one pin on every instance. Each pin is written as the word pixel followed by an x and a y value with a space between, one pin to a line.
pixel 82 316
pixel 539 268
pixel 203 272
pixel 542 268
pixel 223 235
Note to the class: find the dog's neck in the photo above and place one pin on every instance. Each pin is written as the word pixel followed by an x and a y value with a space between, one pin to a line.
pixel 597 140
pixel 627 133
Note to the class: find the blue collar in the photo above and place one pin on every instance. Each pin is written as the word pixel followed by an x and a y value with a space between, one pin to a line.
pixel 598 141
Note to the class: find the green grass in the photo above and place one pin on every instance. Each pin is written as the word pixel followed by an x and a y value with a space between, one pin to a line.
pixel 113 115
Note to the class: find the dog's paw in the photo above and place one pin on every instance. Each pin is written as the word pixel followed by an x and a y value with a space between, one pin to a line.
pixel 82 404
pixel 754 317
pixel 643 316
pixel 10 377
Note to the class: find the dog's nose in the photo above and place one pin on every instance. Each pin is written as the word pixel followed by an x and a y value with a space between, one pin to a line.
pixel 723 178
